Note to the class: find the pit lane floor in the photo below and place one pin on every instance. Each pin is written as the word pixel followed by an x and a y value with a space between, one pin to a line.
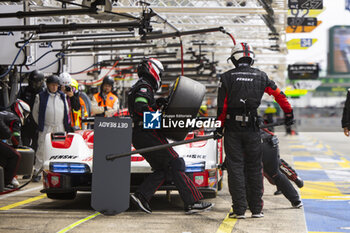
pixel 326 202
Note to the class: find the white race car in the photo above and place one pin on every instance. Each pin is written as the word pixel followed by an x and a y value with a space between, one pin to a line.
pixel 68 164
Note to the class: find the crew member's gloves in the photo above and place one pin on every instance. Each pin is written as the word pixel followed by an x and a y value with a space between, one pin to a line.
pixel 218 133
pixel 162 102
pixel 289 118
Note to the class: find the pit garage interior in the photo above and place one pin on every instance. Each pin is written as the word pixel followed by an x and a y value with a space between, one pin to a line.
pixel 91 39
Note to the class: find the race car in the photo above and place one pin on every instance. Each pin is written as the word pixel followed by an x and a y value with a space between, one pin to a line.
pixel 69 161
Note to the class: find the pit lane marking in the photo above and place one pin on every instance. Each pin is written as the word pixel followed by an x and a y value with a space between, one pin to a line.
pixel 73 225
pixel 19 192
pixel 23 202
pixel 227 225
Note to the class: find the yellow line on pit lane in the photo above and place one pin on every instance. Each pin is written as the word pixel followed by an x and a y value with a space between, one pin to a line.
pixel 23 202
pixel 78 223
pixel 227 225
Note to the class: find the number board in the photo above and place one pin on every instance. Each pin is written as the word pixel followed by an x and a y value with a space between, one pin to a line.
pixel 300 21
pixel 305 4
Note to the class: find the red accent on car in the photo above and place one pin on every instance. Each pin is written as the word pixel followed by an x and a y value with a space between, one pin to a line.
pixel 137 159
pixel 88 136
pixel 61 142
pixel 191 135
pixel 122 112
pixel 52 180
pixel 220 151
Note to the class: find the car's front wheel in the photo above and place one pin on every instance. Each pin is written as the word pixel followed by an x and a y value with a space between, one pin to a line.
pixel 62 196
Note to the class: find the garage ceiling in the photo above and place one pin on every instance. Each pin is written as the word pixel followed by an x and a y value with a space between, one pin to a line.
pixel 250 21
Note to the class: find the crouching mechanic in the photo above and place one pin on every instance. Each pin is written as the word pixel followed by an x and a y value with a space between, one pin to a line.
pixel 239 96
pixel 271 164
pixel 10 128
pixel 141 99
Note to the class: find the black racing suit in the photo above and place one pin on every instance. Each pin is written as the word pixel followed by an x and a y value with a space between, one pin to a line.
pixel 239 96
pixel 163 162
pixel 271 164
pixel 345 121
pixel 30 133
pixel 10 127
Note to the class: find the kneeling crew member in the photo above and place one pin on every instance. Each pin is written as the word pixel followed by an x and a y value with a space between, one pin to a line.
pixel 141 99
pixel 10 128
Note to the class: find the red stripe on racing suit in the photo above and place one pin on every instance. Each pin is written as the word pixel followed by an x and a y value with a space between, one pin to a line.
pixel 280 98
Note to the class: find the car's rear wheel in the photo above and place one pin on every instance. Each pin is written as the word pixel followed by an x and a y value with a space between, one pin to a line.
pixel 62 196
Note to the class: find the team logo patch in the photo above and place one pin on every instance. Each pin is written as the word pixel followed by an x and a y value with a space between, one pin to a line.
pixel 111 98
pixel 199 180
pixel 54 180
pixel 143 89
pixel 151 120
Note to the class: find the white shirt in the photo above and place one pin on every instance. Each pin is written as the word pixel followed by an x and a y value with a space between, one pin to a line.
pixel 54 112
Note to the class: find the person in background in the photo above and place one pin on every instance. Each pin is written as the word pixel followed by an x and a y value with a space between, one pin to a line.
pixel 269 114
pixel 10 128
pixel 71 93
pixel 105 103
pixel 345 121
pixel 203 111
pixel 29 132
pixel 77 115
pixel 51 113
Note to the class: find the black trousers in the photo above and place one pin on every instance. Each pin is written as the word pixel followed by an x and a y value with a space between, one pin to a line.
pixel 244 166
pixel 163 162
pixel 30 138
pixel 271 161
pixel 9 160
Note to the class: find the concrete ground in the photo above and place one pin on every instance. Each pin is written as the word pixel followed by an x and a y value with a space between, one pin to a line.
pixel 30 211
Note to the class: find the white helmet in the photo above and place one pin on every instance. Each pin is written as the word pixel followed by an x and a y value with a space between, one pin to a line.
pixel 65 79
pixel 151 69
pixel 242 50
pixel 22 110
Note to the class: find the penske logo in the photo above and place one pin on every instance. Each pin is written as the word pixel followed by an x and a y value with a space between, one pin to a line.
pixel 244 79
pixel 63 157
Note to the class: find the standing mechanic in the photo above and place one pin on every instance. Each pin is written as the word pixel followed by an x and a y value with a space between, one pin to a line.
pixel 141 99
pixel 10 128
pixel 345 121
pixel 29 133
pixel 239 96
pixel 105 103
